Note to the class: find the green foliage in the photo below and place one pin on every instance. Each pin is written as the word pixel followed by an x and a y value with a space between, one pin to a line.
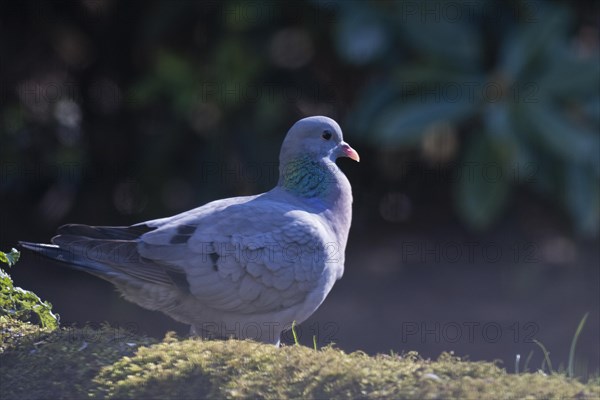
pixel 110 363
pixel 529 106
pixel 10 258
pixel 23 304
pixel 201 84
pixel 481 191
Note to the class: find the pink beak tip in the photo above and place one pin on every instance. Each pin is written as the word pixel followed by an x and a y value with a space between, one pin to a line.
pixel 351 153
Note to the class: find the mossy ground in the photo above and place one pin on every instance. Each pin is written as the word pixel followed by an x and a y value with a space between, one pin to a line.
pixel 109 363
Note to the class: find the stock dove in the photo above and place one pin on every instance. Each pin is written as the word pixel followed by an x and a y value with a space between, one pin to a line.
pixel 245 266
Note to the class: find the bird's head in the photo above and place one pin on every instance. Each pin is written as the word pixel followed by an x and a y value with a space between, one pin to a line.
pixel 317 138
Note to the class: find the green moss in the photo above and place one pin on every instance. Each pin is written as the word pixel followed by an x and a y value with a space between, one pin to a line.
pixel 38 362
pixel 43 363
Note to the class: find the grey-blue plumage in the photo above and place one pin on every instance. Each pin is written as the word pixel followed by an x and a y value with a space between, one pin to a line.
pixel 244 266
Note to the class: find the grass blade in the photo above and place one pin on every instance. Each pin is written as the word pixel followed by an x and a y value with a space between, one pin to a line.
pixel 526 366
pixel 296 342
pixel 571 367
pixel 546 355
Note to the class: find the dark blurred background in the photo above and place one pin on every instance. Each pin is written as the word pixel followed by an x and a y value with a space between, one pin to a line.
pixel 477 200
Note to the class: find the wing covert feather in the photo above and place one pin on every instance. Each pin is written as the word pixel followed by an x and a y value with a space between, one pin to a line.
pixel 250 257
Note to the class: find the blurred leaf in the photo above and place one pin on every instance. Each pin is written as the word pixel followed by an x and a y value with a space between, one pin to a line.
pixel 404 124
pixel 497 120
pixel 235 67
pixel 591 108
pixel 374 97
pixel 582 196
pixel 566 140
pixel 568 75
pixel 178 79
pixel 172 76
pixel 456 42
pixel 173 69
pixel 483 186
pixel 524 45
pixel 360 36
pixel 428 74
pixel 542 172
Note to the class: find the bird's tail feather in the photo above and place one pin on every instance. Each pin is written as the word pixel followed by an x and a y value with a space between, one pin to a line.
pixel 94 249
pixel 69 258
pixel 110 253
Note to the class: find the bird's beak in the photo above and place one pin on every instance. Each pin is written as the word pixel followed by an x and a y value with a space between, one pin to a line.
pixel 349 152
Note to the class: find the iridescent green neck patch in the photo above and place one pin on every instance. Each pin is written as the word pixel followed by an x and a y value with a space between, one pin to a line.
pixel 307 178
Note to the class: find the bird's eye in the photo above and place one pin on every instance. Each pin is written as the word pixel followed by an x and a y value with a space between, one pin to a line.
pixel 326 135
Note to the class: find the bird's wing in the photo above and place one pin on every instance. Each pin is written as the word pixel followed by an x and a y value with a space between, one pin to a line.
pixel 259 255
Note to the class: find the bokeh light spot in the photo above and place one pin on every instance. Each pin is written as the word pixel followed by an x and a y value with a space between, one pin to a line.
pixel 439 142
